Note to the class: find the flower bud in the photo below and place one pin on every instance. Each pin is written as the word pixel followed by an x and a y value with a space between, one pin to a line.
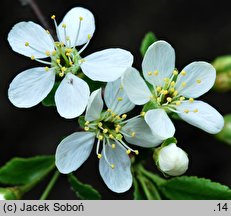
pixel 7 194
pixel 172 160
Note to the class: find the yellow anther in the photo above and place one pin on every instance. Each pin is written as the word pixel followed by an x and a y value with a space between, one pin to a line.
pixel 186 111
pixel 183 84
pixel 171 90
pixel 113 146
pixel 133 134
pixel 175 72
pixel 117 130
pixel 142 113
pixel 166 80
pixel 182 98
pixel 47 32
pixel 112 166
pixel 100 137
pixel 119 98
pixel 109 110
pixel 86 128
pixel 149 73
pixel 61 44
pixel 136 152
pixel 68 54
pixel 124 116
pixel 54 52
pixel 86 123
pixel 89 36
pixel 68 50
pixel 128 151
pixel 100 124
pixel 47 53
pixel 32 57
pixel 47 68
pixel 183 73
pixel 169 99
pixel 82 60
pixel 27 44
pixel 158 88
pixel 165 92
pixel 71 63
pixel 158 99
pixel 195 111
pixel 63 69
pixel 58 61
pixel 156 73
pixel 111 136
pixel 105 130
pixel 118 117
pixel 191 100
pixel 67 38
pixel 173 83
pixel 178 103
pixel 118 126
pixel 99 156
pixel 175 93
pixel 64 25
pixel 53 17
pixel 198 81
pixel 113 114
pixel 61 74
pixel 80 18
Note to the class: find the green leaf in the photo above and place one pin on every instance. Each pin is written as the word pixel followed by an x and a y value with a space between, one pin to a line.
pixel 50 98
pixel 225 134
pixel 194 188
pixel 21 171
pixel 83 191
pixel 138 192
pixel 149 39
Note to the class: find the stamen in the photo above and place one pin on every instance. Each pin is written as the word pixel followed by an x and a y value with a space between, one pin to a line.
pixel 186 111
pixel 119 98
pixel 169 99
pixel 47 68
pixel 78 31
pixel 149 73
pixel 158 88
pixel 86 44
pixel 105 156
pixel 195 111
pixel 182 98
pixel 113 146
pixel 156 73
pixel 175 72
pixel 198 81
pixel 133 134
pixel 183 73
pixel 86 128
pixel 56 26
pixel 183 84
pixel 191 100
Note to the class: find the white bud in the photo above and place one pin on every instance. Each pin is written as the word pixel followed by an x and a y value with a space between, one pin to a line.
pixel 2 196
pixel 172 160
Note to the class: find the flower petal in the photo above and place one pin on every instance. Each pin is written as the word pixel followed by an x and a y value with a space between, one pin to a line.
pixel 143 134
pixel 116 98
pixel 118 179
pixel 159 57
pixel 201 115
pixel 31 86
pixel 107 65
pixel 135 87
pixel 73 151
pixel 71 96
pixel 72 22
pixel 35 35
pixel 160 123
pixel 199 78
pixel 95 106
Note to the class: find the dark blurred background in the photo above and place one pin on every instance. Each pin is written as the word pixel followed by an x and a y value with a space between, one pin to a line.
pixel 198 30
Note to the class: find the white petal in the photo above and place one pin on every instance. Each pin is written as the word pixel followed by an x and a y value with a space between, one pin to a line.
pixel 160 123
pixel 118 179
pixel 143 134
pixel 135 87
pixel 35 35
pixel 71 96
pixel 159 57
pixel 31 86
pixel 95 106
pixel 73 151
pixel 72 22
pixel 205 117
pixel 202 72
pixel 116 98
pixel 107 65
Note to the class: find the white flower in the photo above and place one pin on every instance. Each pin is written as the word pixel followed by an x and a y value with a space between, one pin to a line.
pixel 2 197
pixel 31 86
pixel 172 160
pixel 110 129
pixel 172 92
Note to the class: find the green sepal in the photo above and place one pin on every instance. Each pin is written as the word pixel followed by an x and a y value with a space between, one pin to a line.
pixel 83 191
pixel 225 134
pixel 81 121
pixel 148 39
pixel 49 101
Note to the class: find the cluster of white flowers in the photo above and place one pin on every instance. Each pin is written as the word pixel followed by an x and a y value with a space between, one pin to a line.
pixel 167 92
